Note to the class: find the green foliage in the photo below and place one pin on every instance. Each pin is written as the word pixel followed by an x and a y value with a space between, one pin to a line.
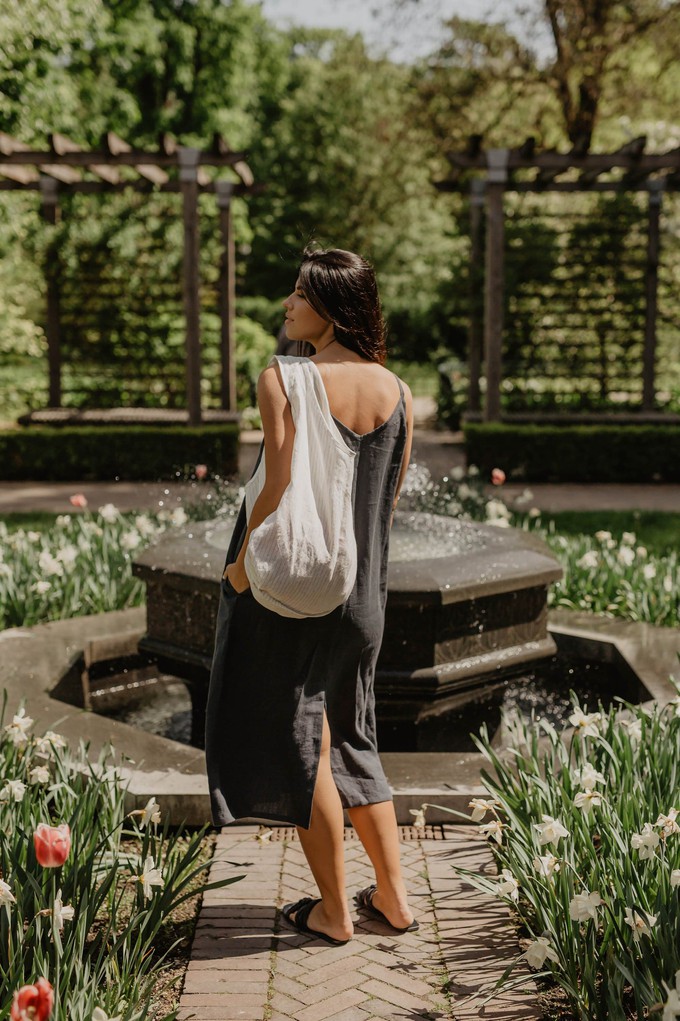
pixel 71 453
pixel 101 951
pixel 576 453
pixel 585 838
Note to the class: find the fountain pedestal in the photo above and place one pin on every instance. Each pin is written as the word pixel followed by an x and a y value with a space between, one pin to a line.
pixel 466 610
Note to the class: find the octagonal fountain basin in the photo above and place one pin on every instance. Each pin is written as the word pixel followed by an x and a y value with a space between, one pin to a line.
pixel 466 611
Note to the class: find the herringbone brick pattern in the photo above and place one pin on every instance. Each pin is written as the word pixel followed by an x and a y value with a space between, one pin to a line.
pixel 248 965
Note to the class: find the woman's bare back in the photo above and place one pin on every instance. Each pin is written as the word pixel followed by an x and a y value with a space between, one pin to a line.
pixel 361 395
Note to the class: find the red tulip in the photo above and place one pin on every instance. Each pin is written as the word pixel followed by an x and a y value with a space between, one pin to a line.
pixel 498 476
pixel 52 844
pixel 201 471
pixel 78 500
pixel 33 1003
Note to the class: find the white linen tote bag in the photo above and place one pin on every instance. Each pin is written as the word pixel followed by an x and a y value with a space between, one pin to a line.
pixel 301 561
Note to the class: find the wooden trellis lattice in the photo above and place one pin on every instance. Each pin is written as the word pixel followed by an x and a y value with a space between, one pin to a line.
pixel 65 166
pixel 524 170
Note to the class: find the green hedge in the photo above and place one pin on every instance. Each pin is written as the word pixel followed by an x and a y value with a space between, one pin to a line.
pixel 576 453
pixel 129 453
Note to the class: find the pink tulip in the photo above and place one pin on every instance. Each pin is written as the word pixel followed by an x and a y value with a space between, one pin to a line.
pixel 78 500
pixel 498 476
pixel 33 1003
pixel 52 844
pixel 201 471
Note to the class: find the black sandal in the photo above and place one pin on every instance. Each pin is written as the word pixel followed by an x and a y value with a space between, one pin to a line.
pixel 302 910
pixel 364 899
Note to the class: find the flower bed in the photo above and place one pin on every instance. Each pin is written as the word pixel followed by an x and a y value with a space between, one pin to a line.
pixel 601 575
pixel 583 829
pixel 87 893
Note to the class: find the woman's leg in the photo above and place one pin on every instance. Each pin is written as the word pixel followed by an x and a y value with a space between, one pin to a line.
pixel 323 844
pixel 376 827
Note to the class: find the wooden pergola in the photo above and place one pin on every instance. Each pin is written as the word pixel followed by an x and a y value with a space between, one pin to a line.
pixel 66 166
pixel 628 169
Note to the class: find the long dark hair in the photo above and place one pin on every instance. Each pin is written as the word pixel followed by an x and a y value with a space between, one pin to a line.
pixel 341 288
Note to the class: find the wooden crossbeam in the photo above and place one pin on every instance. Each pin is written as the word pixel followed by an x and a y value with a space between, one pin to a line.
pixel 634 148
pixel 117 145
pixel 579 151
pixel 11 147
pixel 61 145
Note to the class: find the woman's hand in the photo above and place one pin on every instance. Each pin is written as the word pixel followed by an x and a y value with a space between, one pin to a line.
pixel 237 578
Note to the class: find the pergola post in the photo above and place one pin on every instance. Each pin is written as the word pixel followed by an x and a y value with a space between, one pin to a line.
pixel 651 294
pixel 227 295
pixel 188 176
pixel 49 194
pixel 497 175
pixel 476 290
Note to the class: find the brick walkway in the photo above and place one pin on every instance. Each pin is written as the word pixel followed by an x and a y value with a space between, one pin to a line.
pixel 247 964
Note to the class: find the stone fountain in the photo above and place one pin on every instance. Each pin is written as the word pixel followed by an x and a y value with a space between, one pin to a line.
pixel 466 611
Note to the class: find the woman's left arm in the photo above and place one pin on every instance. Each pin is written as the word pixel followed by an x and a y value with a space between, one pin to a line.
pixel 279 436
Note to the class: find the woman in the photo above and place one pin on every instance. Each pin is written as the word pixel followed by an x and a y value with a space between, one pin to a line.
pixel 290 732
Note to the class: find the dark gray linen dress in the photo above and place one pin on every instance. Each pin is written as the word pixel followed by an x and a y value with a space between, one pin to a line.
pixel 272 676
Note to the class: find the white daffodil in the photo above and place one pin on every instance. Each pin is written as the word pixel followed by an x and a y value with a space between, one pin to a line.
pixel 602 536
pixel 546 864
pixel 457 473
pixel 6 895
pixel 667 584
pixel 584 906
pixel 151 876
pixel 17 730
pixel 480 806
pixel 508 885
pixel 649 572
pixel 63 520
pixel 61 912
pixel 534 512
pixel 668 823
pixel 628 538
pixel 100 1015
pixel 675 877
pixel 671 1008
pixel 625 556
pixel 464 492
pixel 419 821
pixel 493 830
pixel 585 722
pixel 68 555
pixel 587 800
pixel 587 776
pixel 145 525
pixel 150 813
pixel 130 540
pixel 589 559
pixel 13 789
pixel 537 952
pixel 109 513
pixel 41 587
pixel 39 774
pixel 633 729
pixel 645 842
pixel 640 923
pixel 496 510
pixel 178 516
pixel 550 830
pixel 45 745
pixel 49 565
